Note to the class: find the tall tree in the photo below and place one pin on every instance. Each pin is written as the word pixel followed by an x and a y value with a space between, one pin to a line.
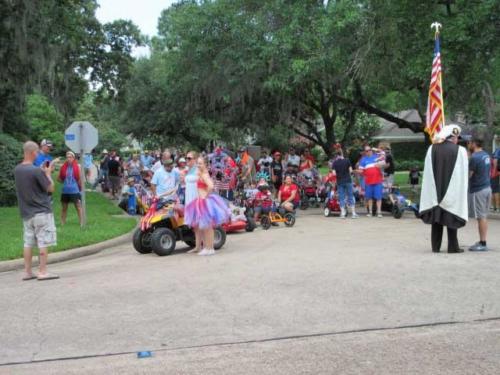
pixel 313 66
pixel 51 47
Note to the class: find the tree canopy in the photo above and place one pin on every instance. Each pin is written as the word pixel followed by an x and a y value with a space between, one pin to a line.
pixel 54 48
pixel 310 66
pixel 241 69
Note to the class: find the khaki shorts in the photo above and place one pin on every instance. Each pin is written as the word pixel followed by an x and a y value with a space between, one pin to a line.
pixel 479 203
pixel 40 231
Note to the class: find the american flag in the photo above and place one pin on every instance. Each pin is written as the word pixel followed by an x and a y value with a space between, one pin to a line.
pixel 435 105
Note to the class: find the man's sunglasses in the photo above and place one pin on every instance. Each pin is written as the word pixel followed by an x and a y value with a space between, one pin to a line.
pixel 189 158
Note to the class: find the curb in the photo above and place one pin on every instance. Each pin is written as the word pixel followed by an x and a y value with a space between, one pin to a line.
pixel 62 256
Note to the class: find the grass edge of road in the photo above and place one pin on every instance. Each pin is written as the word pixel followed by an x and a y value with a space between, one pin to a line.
pixel 104 222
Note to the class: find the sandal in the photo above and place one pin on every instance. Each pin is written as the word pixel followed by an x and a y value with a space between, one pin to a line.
pixel 29 277
pixel 49 276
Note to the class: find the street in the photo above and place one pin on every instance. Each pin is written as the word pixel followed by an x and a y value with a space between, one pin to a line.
pixel 362 296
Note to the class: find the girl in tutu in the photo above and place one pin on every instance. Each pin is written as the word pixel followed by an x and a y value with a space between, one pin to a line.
pixel 207 211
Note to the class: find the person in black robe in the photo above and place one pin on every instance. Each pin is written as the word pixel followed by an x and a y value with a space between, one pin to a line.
pixel 443 200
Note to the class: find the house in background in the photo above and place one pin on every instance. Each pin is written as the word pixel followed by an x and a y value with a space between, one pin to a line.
pixel 390 132
pixel 405 144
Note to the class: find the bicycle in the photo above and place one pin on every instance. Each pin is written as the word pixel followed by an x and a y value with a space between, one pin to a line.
pixel 277 216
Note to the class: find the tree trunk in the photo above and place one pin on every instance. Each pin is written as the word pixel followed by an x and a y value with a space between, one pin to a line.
pixel 331 139
pixel 490 106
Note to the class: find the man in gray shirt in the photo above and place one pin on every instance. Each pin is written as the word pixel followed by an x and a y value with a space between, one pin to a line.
pixel 33 185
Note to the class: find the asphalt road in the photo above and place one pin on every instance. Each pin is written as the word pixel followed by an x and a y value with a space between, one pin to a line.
pixel 327 296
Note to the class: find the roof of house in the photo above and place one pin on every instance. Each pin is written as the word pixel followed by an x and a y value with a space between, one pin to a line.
pixel 389 131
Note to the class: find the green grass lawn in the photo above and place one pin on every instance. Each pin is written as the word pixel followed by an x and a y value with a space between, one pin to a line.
pixel 101 225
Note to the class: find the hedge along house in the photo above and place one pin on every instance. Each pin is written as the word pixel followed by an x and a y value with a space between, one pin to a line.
pixel 405 144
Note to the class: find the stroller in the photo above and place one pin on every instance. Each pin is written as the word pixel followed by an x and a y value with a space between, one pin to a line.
pixel 308 191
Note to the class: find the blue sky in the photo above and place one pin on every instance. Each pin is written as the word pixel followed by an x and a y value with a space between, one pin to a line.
pixel 144 13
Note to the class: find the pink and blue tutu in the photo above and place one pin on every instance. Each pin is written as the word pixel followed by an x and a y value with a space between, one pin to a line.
pixel 209 212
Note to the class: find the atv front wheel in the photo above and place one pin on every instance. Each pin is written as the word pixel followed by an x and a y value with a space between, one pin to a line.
pixel 163 241
pixel 142 241
pixel 191 244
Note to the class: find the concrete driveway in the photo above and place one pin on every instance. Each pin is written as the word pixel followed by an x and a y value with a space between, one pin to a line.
pixel 327 296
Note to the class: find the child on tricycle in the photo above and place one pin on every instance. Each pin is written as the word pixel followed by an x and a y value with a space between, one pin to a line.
pixel 263 200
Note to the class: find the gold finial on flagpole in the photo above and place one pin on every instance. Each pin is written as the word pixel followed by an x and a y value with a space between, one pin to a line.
pixel 436 26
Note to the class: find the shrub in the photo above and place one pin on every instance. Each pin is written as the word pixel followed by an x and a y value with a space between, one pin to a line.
pixel 406 165
pixel 409 150
pixel 10 156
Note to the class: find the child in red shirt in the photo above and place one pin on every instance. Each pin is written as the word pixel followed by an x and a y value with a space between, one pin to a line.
pixel 263 201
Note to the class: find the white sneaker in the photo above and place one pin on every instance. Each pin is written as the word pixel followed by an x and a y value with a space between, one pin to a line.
pixel 354 215
pixel 379 214
pixel 368 215
pixel 207 252
pixel 342 213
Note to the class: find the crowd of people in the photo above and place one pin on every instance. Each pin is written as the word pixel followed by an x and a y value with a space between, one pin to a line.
pixel 199 182
pixel 155 174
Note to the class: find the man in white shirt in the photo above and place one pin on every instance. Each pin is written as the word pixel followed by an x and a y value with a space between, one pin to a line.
pixel 293 158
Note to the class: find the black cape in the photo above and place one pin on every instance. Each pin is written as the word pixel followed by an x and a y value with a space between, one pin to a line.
pixel 443 199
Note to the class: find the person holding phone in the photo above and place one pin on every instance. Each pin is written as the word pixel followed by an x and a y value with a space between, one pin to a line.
pixel 33 187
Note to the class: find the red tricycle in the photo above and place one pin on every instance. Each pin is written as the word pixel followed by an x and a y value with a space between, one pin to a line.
pixel 332 205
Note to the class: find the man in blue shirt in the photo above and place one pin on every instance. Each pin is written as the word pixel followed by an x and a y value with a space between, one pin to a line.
pixel 479 190
pixel 44 153
pixel 166 181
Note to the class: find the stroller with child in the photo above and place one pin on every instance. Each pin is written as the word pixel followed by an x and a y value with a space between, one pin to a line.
pixel 308 188
pixel 394 202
